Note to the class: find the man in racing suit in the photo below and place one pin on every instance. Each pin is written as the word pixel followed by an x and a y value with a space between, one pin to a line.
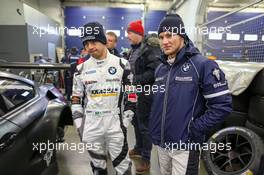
pixel 100 122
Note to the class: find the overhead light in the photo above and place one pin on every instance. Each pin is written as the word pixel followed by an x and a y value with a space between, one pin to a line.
pixel 215 1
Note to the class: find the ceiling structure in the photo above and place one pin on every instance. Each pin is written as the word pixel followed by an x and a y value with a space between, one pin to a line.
pixel 115 1
pixel 234 3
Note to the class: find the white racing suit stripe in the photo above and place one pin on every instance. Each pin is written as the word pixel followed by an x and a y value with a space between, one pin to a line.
pixel 217 94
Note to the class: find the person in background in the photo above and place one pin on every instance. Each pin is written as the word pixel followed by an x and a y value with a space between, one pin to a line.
pixel 195 99
pixel 111 43
pixel 71 59
pixel 144 58
pixel 84 55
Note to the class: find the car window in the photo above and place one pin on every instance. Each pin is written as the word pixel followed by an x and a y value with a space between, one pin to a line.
pixel 13 93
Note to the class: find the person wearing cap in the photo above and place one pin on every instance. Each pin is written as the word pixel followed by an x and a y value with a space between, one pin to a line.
pixel 196 98
pixel 71 59
pixel 144 58
pixel 111 43
pixel 101 123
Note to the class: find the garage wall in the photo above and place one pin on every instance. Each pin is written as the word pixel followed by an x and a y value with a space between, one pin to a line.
pixel 245 41
pixel 116 19
pixel 149 4
pixel 41 32
pixel 11 13
pixel 51 8
pixel 13 32
pixel 13 45
pixel 18 39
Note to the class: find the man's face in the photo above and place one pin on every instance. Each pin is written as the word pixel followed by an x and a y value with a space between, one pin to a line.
pixel 170 43
pixel 111 42
pixel 95 48
pixel 134 38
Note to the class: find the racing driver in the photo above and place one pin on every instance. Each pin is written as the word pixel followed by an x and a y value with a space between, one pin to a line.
pixel 99 120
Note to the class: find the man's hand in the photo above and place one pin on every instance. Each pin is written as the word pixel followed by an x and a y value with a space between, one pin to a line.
pixel 128 116
pixel 78 123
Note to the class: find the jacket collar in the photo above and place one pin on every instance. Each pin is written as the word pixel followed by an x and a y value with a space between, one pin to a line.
pixel 186 52
pixel 135 46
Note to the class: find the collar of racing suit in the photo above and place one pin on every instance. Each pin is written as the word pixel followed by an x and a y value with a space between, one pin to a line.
pixel 101 62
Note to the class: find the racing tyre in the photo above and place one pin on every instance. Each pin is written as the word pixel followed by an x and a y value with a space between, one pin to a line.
pixel 257 85
pixel 241 153
pixel 241 102
pixel 256 110
pixel 214 130
pixel 236 118
pixel 256 128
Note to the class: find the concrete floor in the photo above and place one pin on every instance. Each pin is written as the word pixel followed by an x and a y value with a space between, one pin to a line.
pixel 75 163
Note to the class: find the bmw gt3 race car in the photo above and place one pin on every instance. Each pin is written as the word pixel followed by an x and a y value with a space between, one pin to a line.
pixel 30 115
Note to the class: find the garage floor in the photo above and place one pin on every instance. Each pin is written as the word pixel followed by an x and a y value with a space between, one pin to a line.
pixel 75 163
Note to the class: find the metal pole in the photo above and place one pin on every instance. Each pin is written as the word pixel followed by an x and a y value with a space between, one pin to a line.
pixel 247 20
pixel 173 5
pixel 177 4
pixel 230 13
pixel 180 4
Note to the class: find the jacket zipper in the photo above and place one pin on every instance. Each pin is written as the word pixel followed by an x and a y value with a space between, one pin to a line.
pixel 195 101
pixel 165 108
pixel 193 112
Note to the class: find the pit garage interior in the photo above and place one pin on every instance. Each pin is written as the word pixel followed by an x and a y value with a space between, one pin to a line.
pixel 37 36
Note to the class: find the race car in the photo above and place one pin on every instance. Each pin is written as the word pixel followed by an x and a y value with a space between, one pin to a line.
pixel 30 115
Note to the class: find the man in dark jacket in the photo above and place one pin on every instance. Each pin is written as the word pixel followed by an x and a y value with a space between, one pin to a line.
pixel 71 59
pixel 195 99
pixel 143 58
pixel 111 43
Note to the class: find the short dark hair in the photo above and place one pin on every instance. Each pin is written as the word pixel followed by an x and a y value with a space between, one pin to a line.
pixel 112 34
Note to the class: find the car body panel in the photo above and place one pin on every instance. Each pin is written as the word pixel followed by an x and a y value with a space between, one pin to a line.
pixel 29 125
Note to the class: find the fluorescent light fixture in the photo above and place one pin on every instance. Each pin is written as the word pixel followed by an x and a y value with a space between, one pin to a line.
pixel 250 37
pixel 74 32
pixel 215 36
pixel 151 32
pixel 232 37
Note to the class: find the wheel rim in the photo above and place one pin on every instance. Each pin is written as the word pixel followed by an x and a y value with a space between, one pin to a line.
pixel 235 160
